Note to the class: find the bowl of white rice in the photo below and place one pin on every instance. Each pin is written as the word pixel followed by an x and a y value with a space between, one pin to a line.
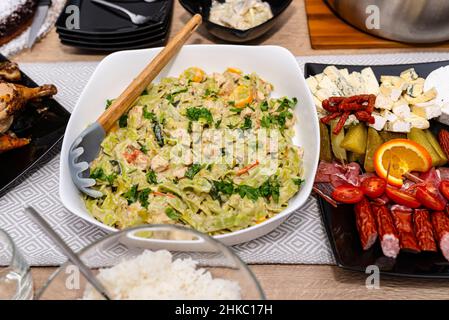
pixel 132 269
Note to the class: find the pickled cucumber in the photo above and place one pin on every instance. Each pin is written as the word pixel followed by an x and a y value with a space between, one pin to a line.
pixel 420 137
pixel 373 141
pixel 325 143
pixel 355 157
pixel 387 135
pixel 436 146
pixel 355 139
pixel 336 139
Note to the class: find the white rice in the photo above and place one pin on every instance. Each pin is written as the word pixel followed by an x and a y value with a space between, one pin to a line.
pixel 154 275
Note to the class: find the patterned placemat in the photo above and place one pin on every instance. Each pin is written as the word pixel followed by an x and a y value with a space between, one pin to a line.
pixel 299 240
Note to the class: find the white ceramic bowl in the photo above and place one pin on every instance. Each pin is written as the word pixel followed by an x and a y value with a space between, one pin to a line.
pixel 274 64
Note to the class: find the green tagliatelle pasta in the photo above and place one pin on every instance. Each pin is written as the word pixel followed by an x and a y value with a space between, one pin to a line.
pixel 213 152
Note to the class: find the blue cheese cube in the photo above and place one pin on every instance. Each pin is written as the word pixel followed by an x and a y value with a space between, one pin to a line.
pixel 399 126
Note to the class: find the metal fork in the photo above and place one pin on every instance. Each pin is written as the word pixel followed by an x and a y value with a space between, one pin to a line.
pixel 135 18
pixel 86 147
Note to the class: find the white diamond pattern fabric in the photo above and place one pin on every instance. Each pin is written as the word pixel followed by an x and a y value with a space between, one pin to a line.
pixel 301 239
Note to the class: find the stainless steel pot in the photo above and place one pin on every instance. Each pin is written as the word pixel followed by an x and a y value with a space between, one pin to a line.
pixel 414 21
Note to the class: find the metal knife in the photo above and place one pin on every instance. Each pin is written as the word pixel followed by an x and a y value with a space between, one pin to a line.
pixel 39 18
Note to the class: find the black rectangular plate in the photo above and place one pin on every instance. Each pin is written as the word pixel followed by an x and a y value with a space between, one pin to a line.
pixel 45 130
pixel 340 222
pixel 97 19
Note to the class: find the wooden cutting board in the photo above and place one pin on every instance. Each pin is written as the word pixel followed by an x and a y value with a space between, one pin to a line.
pixel 327 31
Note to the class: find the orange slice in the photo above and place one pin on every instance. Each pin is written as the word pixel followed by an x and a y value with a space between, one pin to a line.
pixel 242 95
pixel 195 74
pixel 405 156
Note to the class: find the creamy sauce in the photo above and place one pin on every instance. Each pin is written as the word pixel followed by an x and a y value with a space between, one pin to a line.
pixel 240 14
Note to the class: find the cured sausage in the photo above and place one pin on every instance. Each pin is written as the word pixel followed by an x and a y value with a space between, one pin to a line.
pixel 440 223
pixel 423 230
pixel 366 224
pixel 388 235
pixel 403 222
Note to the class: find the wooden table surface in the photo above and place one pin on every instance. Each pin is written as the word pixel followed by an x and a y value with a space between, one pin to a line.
pixel 278 281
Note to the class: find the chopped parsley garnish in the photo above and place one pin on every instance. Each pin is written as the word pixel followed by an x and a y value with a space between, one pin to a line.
pixel 193 170
pixel 249 192
pixel 247 124
pixel 217 124
pixel 109 102
pixel 143 197
pixel 131 194
pixel 270 188
pixel 148 114
pixel 151 177
pixel 264 106
pixel 123 121
pixel 196 113
pixel 98 174
pixel 298 181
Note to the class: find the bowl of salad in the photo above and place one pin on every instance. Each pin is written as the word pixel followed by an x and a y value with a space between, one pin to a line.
pixel 222 142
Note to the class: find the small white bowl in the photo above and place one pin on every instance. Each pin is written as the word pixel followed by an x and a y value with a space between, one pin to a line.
pixel 275 64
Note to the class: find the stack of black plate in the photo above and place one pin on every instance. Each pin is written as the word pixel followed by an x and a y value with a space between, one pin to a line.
pixel 87 25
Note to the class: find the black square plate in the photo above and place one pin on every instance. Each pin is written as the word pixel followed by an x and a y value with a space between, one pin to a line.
pixel 109 48
pixel 45 129
pixel 340 222
pixel 96 19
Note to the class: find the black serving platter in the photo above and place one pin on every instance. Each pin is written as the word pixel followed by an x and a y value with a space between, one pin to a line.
pixel 46 130
pixel 154 33
pixel 234 35
pixel 340 222
pixel 108 48
pixel 98 20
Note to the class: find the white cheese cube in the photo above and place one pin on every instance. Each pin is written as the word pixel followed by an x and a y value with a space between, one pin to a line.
pixel 401 109
pixel 379 122
pixel 383 102
pixel 312 83
pixel 388 115
pixel 399 126
pixel 319 107
pixel 444 117
pixel 323 94
pixel 370 80
pixel 352 120
pixel 418 122
pixel 428 112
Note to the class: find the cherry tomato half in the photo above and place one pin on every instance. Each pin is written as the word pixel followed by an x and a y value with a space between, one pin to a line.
pixel 444 188
pixel 429 199
pixel 347 194
pixel 402 198
pixel 373 187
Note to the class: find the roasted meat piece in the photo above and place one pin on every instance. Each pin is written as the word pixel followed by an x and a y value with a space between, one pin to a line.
pixel 9 71
pixel 13 97
pixel 10 141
